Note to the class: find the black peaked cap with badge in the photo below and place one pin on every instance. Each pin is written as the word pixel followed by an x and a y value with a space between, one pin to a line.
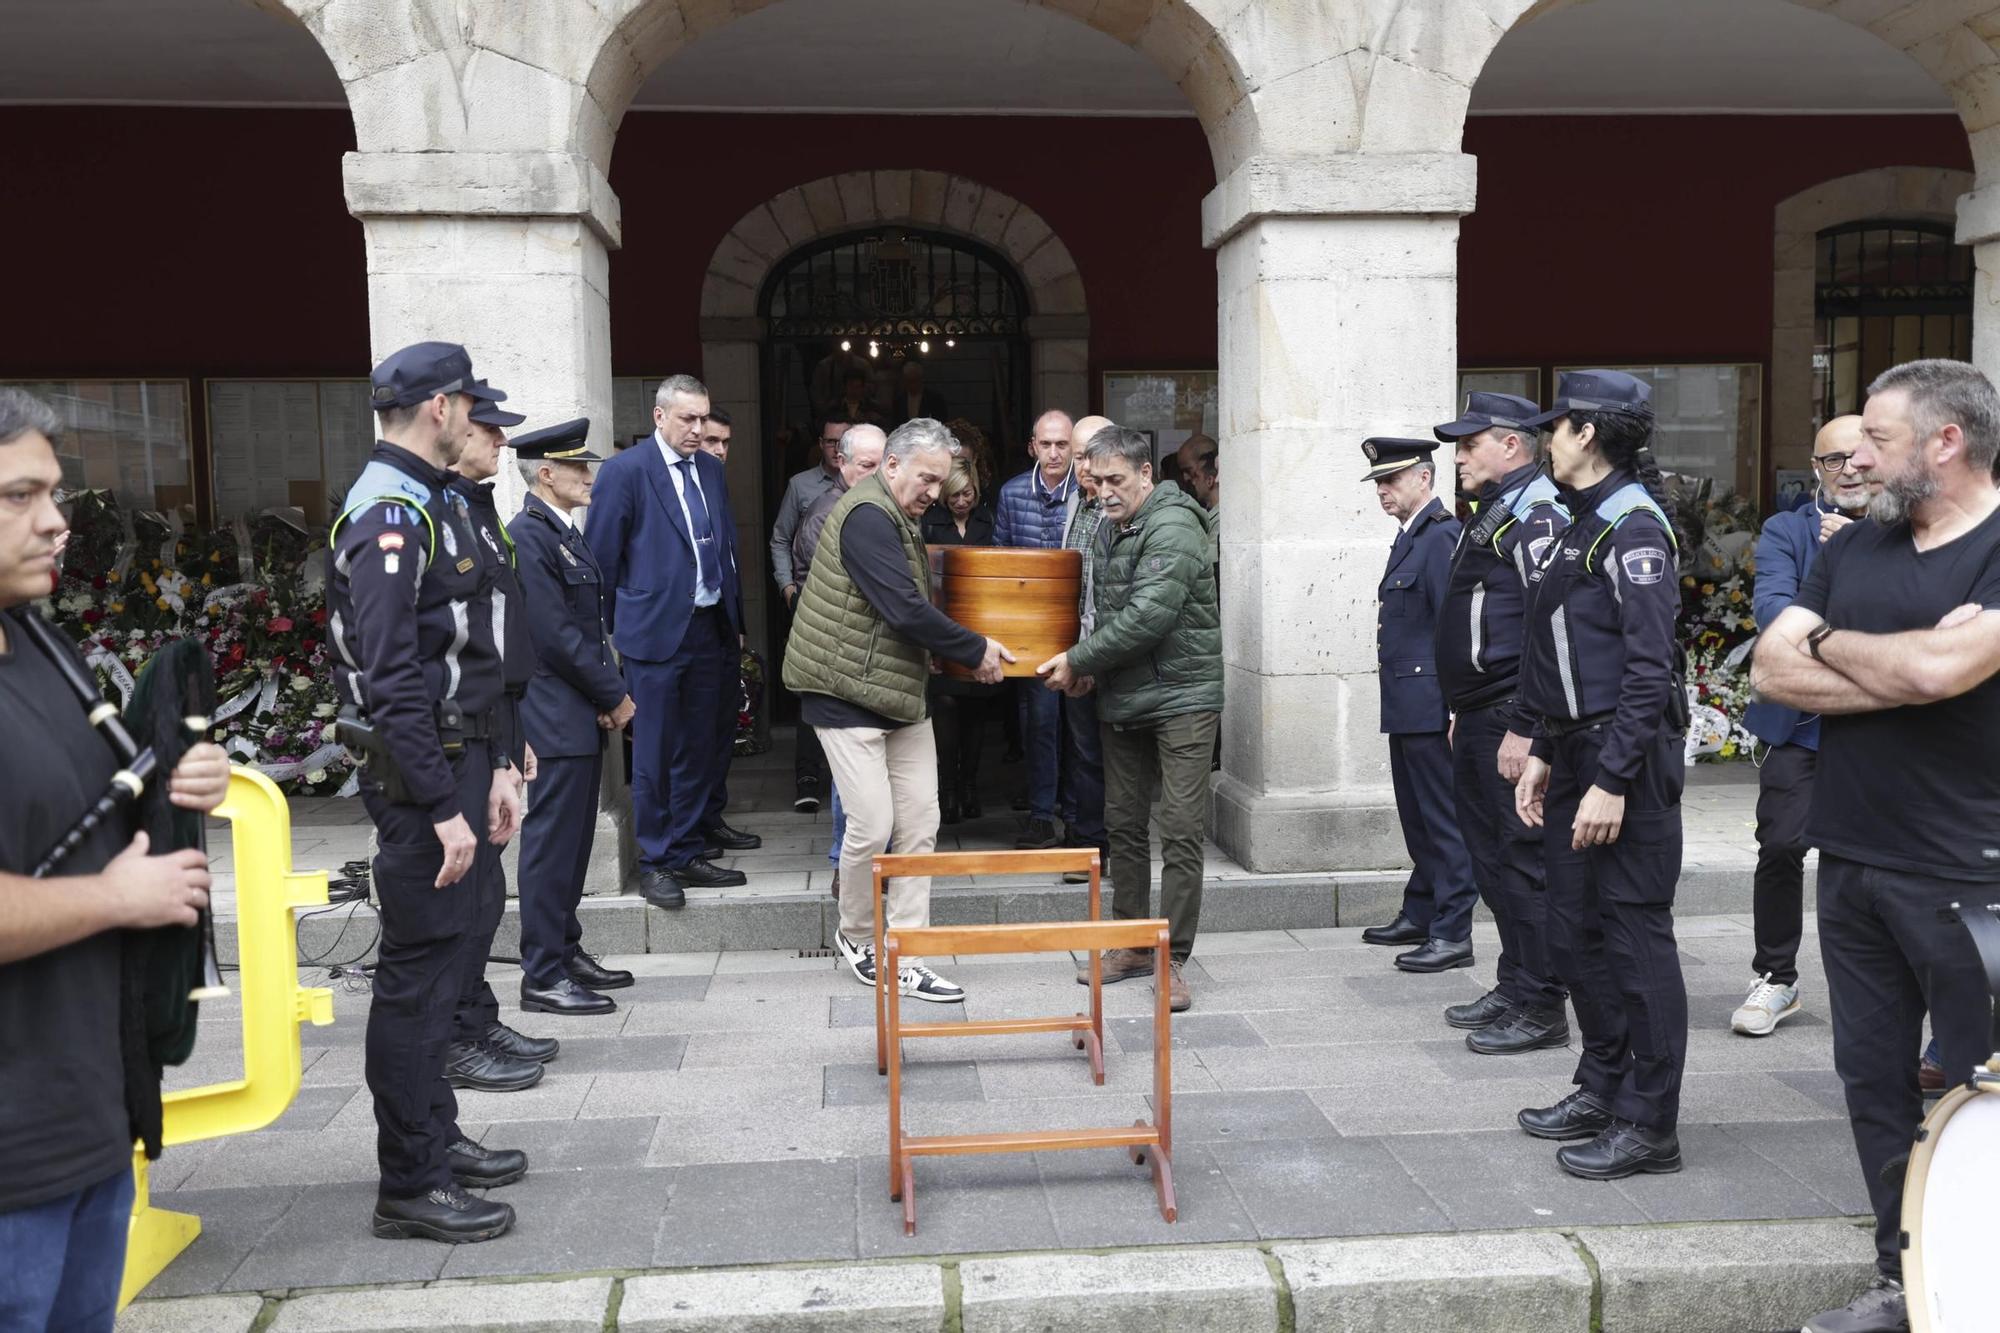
pixel 1597 391
pixel 488 412
pixel 566 443
pixel 1386 455
pixel 1484 411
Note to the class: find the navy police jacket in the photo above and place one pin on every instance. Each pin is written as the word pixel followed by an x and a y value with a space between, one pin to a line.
pixel 510 619
pixel 1412 590
pixel 1479 629
pixel 1601 646
pixel 575 678
pixel 410 614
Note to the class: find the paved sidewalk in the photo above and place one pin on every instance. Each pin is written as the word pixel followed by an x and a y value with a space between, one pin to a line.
pixel 729 1113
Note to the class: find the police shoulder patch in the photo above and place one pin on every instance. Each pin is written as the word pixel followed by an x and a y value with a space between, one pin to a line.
pixel 390 541
pixel 1644 564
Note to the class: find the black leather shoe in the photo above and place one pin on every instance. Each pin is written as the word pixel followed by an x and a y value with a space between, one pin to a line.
pixel 702 875
pixel 479 1168
pixel 1485 1011
pixel 505 1040
pixel 587 971
pixel 565 997
pixel 1577 1116
pixel 659 889
pixel 471 1064
pixel 1522 1030
pixel 968 803
pixel 948 807
pixel 1436 956
pixel 450 1215
pixel 720 834
pixel 1623 1150
pixel 1400 931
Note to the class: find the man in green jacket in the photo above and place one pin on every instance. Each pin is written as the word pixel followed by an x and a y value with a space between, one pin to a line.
pixel 1154 656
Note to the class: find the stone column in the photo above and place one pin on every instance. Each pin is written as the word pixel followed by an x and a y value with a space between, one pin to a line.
pixel 1979 227
pixel 731 366
pixel 1339 319
pixel 507 254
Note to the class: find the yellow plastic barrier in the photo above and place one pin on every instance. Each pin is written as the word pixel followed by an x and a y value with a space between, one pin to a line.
pixel 274 1004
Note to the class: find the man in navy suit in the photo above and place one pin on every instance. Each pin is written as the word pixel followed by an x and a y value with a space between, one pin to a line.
pixel 1438 899
pixel 575 697
pixel 665 540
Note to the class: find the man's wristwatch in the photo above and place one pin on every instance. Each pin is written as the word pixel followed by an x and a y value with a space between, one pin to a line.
pixel 1817 637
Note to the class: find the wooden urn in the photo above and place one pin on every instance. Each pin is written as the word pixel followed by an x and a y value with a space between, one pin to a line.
pixel 1025 598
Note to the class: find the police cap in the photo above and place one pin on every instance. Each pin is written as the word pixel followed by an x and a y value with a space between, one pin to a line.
pixel 1484 411
pixel 1386 455
pixel 557 444
pixel 489 413
pixel 1597 391
pixel 423 370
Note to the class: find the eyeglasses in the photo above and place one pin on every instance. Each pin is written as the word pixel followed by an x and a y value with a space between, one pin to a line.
pixel 1832 462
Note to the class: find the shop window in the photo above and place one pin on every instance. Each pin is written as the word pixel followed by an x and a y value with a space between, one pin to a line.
pixel 1885 292
pixel 129 437
pixel 1708 421
pixel 275 444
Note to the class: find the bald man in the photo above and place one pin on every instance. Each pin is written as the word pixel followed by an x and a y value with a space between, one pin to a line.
pixel 1197 454
pixel 1786 549
pixel 1033 511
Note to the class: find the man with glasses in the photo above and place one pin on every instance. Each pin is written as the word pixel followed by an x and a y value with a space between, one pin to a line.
pixel 1786 549
pixel 802 492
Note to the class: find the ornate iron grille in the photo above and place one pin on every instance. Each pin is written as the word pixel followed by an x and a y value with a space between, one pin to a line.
pixel 1886 291
pixel 894 283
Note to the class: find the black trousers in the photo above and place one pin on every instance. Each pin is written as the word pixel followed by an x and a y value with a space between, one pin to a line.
pixel 1611 930
pixel 556 835
pixel 1889 958
pixel 960 722
pixel 1777 904
pixel 1506 859
pixel 1440 893
pixel 428 938
pixel 478 1008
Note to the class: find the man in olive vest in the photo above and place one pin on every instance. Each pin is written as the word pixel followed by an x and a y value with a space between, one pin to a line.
pixel 858 658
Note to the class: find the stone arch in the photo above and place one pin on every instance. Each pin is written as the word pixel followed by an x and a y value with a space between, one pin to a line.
pixel 732 329
pixel 1929 193
pixel 1188 39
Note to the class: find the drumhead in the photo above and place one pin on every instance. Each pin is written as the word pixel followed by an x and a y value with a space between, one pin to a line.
pixel 1951 1193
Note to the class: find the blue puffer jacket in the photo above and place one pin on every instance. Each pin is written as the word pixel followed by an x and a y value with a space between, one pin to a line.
pixel 1029 513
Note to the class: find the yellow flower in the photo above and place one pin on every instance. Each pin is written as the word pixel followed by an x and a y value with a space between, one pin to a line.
pixel 117 608
pixel 160 602
pixel 1748 623
pixel 1708 590
pixel 1736 595
pixel 215 558
pixel 1687 581
pixel 207 579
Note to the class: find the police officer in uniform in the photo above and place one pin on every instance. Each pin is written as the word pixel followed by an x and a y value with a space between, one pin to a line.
pixel 577 696
pixel 485 1054
pixel 1438 899
pixel 1599 678
pixel 1516 518
pixel 418 674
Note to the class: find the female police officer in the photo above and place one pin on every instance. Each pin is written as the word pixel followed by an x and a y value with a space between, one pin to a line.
pixel 1600 681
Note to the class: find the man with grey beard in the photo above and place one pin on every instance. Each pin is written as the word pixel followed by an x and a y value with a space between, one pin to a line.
pixel 1786 550
pixel 1895 641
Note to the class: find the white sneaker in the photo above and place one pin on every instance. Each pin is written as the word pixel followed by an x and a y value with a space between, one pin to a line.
pixel 1767 1005
pixel 860 958
pixel 920 983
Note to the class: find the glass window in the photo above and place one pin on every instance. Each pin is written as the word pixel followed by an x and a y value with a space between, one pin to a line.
pixel 275 444
pixel 1708 421
pixel 1521 381
pixel 129 437
pixel 1885 291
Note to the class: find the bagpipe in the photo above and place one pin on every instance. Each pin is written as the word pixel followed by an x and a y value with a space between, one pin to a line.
pixel 164 972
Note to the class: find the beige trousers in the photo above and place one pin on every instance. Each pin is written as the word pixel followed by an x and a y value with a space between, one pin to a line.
pixel 888 786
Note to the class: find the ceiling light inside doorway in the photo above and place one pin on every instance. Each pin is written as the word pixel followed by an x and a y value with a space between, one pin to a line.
pixel 874 349
pixel 924 347
pixel 846 345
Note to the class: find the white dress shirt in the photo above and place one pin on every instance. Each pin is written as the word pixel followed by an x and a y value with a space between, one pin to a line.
pixel 708 589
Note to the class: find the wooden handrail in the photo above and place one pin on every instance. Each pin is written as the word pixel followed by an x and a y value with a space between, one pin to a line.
pixel 891 866
pixel 1037 937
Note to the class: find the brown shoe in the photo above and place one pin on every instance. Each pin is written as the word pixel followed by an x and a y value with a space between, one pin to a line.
pixel 1120 965
pixel 1178 999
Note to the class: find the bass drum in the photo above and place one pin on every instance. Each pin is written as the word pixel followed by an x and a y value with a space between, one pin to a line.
pixel 1951 1213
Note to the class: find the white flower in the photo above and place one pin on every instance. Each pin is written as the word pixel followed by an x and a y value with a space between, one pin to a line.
pixel 325 710
pixel 300 684
pixel 317 776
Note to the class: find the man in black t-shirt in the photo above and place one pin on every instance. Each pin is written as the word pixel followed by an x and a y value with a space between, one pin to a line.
pixel 1895 639
pixel 65 1137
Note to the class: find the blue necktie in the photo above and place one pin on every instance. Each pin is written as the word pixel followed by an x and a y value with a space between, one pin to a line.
pixel 703 530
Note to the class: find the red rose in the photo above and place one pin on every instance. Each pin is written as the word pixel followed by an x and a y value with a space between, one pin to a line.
pixel 278 624
pixel 308 645
pixel 319 616
pixel 98 583
pixel 92 616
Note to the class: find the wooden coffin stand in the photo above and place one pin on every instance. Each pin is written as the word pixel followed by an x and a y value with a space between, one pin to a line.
pixel 1146 1143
